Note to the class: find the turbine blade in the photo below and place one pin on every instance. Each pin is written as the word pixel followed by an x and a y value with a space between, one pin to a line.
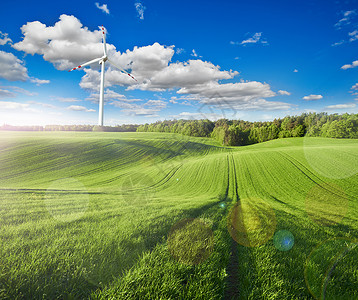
pixel 86 64
pixel 120 69
pixel 104 41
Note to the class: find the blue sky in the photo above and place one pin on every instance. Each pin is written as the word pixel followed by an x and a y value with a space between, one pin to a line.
pixel 251 60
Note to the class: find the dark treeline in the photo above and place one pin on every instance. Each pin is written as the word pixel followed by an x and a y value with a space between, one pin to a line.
pixel 238 132
pixel 118 128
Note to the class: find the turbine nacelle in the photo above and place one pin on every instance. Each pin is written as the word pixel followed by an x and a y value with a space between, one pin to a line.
pixel 103 59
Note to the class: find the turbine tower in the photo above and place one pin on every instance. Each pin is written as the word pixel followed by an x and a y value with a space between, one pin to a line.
pixel 102 60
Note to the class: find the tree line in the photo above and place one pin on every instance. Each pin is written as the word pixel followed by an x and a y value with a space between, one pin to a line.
pixel 117 128
pixel 232 132
pixel 239 132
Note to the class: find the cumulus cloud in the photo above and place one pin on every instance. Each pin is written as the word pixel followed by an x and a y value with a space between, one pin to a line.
pixel 66 44
pixel 4 39
pixel 295 71
pixel 341 106
pixel 79 108
pixel 312 97
pixel 140 8
pixel 242 95
pixel 151 66
pixel 281 92
pixel 354 87
pixel 12 68
pixel 185 74
pixel 350 66
pixel 102 7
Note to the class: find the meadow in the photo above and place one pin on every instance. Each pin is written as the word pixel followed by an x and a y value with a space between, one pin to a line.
pixel 164 216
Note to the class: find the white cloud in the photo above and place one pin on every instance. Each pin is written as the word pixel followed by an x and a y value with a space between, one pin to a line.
pixel 241 95
pixel 312 97
pixel 65 45
pixel 354 87
pixel 346 20
pixel 179 50
pixel 79 108
pixel 187 74
pixel 243 89
pixel 42 104
pixel 68 43
pixel 353 35
pixel 173 100
pixel 63 99
pixel 19 90
pixel 12 68
pixel 6 94
pixel 348 66
pixel 39 81
pixel 156 103
pixel 256 38
pixel 148 109
pixel 338 43
pixel 281 92
pixel 341 106
pixel 102 7
pixel 151 66
pixel 295 71
pixel 14 105
pixel 4 39
pixel 193 53
pixel 108 96
pixel 140 10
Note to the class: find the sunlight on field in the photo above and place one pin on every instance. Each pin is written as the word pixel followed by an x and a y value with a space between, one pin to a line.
pixel 326 204
pixel 127 215
pixel 66 199
pixel 335 161
pixel 251 222
pixel 191 241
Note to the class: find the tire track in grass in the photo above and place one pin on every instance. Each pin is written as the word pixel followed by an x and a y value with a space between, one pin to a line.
pixel 304 170
pixel 231 284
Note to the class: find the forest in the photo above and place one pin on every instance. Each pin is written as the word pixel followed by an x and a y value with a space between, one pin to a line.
pixel 239 132
pixel 232 132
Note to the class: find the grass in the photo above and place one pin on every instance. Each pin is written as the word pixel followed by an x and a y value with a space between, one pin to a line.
pixel 153 216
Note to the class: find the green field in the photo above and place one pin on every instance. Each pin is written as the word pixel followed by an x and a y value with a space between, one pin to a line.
pixel 163 216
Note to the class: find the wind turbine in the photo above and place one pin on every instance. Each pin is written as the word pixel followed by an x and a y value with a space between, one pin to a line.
pixel 102 60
